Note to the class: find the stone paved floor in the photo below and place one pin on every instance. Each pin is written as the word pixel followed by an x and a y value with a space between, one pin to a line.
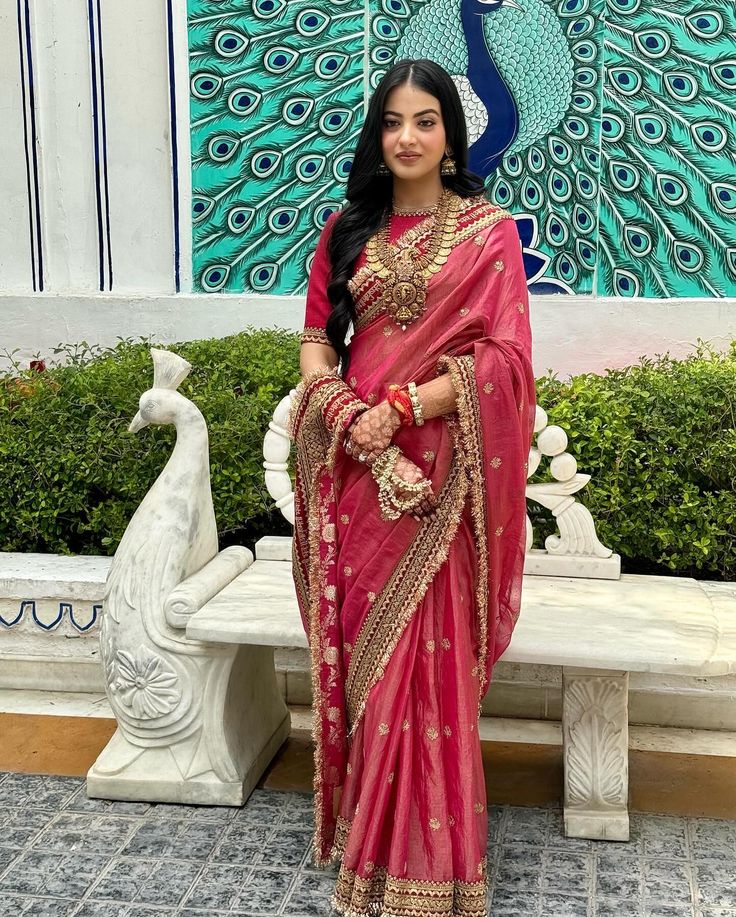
pixel 62 854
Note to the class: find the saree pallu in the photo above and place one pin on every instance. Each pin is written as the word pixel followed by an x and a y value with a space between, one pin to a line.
pixel 406 618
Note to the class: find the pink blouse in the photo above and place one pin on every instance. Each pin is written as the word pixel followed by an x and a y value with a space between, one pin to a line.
pixel 318 306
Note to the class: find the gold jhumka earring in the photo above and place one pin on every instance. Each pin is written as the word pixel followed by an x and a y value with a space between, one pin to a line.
pixel 448 166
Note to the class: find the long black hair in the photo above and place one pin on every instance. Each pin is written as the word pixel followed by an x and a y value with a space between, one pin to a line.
pixel 369 195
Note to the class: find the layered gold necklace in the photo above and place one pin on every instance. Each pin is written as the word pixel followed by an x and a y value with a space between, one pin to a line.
pixel 404 269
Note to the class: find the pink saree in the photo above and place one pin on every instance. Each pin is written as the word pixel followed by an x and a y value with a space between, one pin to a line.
pixel 405 619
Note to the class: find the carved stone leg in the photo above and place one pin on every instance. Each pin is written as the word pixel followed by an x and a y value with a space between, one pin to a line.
pixel 595 728
pixel 237 727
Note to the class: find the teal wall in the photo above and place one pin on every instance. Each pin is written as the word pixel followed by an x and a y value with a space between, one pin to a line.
pixel 617 159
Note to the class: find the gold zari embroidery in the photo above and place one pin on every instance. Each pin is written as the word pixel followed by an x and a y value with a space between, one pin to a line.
pixel 469 216
pixel 388 896
pixel 400 597
pixel 314 336
pixel 467 432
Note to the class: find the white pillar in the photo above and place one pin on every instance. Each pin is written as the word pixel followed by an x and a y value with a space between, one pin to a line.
pixel 596 749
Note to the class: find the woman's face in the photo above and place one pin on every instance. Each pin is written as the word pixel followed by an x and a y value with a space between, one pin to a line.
pixel 412 122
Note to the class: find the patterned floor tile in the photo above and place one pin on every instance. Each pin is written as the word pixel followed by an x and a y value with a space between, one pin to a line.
pixel 41 872
pixel 150 882
pixel 64 855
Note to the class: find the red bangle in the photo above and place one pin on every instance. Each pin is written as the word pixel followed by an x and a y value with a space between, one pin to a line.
pixel 400 400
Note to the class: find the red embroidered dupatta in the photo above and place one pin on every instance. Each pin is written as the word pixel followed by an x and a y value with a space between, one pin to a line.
pixel 363 583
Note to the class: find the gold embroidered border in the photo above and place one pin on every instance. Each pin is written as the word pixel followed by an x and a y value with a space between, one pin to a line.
pixel 469 434
pixel 400 597
pixel 314 446
pixel 312 335
pixel 389 896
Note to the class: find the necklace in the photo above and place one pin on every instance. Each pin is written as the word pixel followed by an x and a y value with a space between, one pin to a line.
pixel 410 213
pixel 404 269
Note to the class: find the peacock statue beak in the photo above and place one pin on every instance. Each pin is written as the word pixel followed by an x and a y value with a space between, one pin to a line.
pixel 137 423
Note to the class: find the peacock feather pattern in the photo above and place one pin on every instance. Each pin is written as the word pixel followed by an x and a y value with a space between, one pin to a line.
pixel 276 103
pixel 606 126
pixel 668 187
pixel 545 55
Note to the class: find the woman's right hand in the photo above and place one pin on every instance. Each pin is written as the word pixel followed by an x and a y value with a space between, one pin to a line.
pixel 411 473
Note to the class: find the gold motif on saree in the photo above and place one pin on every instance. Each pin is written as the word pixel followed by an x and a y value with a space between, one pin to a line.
pixel 405 725
pixel 434 824
pixel 495 462
pixel 498 265
pixel 432 733
pixel 445 643
pixel 488 388
pixel 447 731
pixel 468 439
pixel 395 606
pixel 383 729
pixel 430 646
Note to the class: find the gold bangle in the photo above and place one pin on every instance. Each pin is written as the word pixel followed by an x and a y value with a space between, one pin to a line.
pixel 392 505
pixel 416 404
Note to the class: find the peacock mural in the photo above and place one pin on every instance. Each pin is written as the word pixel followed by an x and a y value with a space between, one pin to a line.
pixel 668 182
pixel 619 185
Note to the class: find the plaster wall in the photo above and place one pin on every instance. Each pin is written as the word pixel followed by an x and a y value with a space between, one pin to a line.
pixel 572 334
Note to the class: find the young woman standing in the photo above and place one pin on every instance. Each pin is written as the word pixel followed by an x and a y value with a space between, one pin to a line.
pixel 412 445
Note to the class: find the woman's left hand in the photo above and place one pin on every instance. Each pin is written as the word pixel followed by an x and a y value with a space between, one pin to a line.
pixel 372 432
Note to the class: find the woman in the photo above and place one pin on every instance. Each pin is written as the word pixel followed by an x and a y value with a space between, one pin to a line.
pixel 410 502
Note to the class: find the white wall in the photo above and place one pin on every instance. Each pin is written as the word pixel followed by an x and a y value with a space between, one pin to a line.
pixel 96 149
pixel 97 136
pixel 572 334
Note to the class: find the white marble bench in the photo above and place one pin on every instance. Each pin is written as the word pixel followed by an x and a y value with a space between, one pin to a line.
pixel 188 633
pixel 597 630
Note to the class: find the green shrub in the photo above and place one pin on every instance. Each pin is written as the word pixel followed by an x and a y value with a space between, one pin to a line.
pixel 658 438
pixel 71 475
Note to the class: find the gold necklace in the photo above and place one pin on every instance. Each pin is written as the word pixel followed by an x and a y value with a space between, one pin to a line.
pixel 405 270
pixel 412 213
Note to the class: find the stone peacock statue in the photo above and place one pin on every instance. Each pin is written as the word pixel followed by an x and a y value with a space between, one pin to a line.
pixel 176 700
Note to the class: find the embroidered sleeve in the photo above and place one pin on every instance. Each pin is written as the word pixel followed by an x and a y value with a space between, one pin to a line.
pixel 318 306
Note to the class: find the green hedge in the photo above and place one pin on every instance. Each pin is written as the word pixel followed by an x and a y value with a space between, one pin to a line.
pixel 71 475
pixel 658 437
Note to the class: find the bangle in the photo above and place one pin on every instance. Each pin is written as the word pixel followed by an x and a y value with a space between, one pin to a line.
pixel 416 404
pixel 392 505
pixel 399 399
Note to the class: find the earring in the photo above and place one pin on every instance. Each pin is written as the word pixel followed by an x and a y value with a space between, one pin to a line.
pixel 448 166
pixel 383 169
